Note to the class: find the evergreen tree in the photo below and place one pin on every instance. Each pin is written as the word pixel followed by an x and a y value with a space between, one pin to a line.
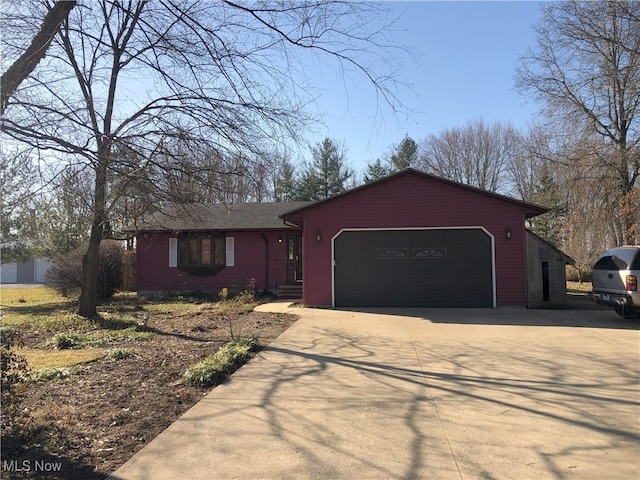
pixel 375 171
pixel 546 192
pixel 285 188
pixel 308 185
pixel 18 185
pixel 327 175
pixel 405 155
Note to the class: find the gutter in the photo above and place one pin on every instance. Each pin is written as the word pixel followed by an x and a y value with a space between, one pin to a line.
pixel 291 224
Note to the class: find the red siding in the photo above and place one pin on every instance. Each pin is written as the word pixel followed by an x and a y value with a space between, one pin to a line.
pixel 155 275
pixel 413 201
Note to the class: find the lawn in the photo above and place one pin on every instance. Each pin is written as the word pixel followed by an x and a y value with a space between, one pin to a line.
pixel 101 389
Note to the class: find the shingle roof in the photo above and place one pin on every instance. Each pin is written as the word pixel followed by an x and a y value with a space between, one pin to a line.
pixel 220 216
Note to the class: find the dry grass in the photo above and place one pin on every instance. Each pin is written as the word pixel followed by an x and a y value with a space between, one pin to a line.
pixel 576 287
pixel 30 296
pixel 39 359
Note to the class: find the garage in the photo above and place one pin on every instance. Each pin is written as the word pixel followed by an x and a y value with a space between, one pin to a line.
pixel 414 239
pixel 437 267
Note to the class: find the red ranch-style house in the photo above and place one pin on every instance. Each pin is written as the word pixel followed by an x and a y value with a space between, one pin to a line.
pixel 410 239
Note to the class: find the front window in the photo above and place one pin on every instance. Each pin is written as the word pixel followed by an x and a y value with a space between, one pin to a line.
pixel 201 250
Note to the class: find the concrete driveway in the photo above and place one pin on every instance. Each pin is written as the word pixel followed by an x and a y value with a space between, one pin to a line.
pixel 419 393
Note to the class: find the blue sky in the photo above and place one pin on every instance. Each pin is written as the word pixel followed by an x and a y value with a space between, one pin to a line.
pixel 465 55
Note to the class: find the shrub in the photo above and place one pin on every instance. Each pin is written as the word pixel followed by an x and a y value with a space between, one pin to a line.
pixel 575 275
pixel 51 373
pixel 14 376
pixel 65 341
pixel 65 275
pixel 245 297
pixel 215 368
pixel 224 294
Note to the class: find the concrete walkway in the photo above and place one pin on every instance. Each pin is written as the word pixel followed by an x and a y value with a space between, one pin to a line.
pixel 409 394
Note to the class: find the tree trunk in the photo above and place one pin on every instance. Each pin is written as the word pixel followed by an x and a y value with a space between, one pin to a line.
pixel 88 303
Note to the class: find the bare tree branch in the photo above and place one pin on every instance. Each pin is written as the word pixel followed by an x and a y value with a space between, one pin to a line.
pixel 29 60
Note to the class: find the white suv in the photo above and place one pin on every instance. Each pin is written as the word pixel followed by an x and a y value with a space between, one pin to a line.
pixel 615 280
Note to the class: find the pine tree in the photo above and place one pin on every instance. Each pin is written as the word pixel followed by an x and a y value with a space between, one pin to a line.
pixel 375 171
pixel 406 154
pixel 327 175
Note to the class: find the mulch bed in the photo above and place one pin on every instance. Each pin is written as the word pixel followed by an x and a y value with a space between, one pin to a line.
pixel 86 425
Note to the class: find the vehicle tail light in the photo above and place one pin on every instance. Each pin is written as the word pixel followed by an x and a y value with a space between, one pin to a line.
pixel 632 283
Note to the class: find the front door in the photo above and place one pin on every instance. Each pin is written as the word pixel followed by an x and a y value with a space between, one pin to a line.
pixel 294 259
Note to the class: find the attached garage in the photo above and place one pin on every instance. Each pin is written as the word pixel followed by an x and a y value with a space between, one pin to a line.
pixel 414 239
pixel 432 267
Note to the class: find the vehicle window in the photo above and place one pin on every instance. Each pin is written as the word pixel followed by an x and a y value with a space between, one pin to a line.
pixel 623 258
pixel 635 264
pixel 618 263
pixel 603 262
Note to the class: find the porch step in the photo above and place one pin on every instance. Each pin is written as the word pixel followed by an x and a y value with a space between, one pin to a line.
pixel 290 292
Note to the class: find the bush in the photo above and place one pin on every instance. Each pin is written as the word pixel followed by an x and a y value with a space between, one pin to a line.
pixel 51 373
pixel 575 275
pixel 15 375
pixel 65 341
pixel 213 370
pixel 65 275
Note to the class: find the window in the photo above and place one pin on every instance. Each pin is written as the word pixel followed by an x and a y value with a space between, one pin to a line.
pixel 603 262
pixel 201 250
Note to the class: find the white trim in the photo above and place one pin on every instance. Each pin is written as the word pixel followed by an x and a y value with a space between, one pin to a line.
pixel 230 252
pixel 478 227
pixel 173 252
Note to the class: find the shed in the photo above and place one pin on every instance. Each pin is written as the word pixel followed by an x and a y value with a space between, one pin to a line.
pixel 547 273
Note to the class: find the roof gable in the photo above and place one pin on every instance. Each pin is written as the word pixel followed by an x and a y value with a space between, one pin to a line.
pixel 530 209
pixel 566 258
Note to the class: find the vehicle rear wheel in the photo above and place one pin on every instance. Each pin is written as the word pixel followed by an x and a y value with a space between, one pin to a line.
pixel 627 312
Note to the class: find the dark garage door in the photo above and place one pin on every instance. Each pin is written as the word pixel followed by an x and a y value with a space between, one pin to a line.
pixel 430 268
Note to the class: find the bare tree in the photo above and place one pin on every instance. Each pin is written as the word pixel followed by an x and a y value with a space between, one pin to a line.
pixel 476 154
pixel 131 76
pixel 585 69
pixel 28 61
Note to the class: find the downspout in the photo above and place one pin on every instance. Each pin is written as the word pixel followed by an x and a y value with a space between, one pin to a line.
pixel 266 261
pixel 527 266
